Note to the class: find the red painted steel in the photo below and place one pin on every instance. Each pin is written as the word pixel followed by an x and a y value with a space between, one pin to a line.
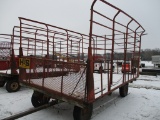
pixel 9 52
pixel 60 62
pixel 5 47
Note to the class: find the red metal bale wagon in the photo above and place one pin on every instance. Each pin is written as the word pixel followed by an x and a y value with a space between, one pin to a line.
pixel 4 54
pixel 9 62
pixel 53 59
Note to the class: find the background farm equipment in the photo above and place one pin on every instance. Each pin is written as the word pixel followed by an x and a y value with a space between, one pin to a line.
pixel 156 60
pixel 8 63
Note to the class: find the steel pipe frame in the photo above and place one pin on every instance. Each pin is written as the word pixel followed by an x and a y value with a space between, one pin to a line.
pixel 47 39
pixel 90 81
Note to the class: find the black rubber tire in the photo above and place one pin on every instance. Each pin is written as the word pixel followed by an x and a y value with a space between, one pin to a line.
pixel 12 86
pixel 100 69
pixel 39 99
pixel 83 113
pixel 123 91
pixel 133 71
pixel 2 83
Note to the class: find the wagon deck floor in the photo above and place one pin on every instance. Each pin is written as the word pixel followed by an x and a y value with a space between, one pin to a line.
pixel 74 84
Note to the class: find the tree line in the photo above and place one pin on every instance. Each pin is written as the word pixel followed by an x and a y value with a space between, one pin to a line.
pixel 146 54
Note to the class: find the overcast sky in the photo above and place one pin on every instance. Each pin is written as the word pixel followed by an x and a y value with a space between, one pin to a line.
pixel 75 15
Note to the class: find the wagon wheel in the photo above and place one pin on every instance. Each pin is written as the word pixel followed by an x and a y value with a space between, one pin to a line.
pixel 39 99
pixel 100 69
pixel 131 82
pixel 2 83
pixel 83 113
pixel 12 86
pixel 123 91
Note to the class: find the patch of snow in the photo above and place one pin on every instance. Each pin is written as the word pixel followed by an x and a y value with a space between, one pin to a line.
pixel 140 104
pixel 147 63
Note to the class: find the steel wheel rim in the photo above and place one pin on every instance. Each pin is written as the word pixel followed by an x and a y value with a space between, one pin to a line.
pixel 14 85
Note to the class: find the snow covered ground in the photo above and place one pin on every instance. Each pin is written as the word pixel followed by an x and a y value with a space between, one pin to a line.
pixel 142 103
